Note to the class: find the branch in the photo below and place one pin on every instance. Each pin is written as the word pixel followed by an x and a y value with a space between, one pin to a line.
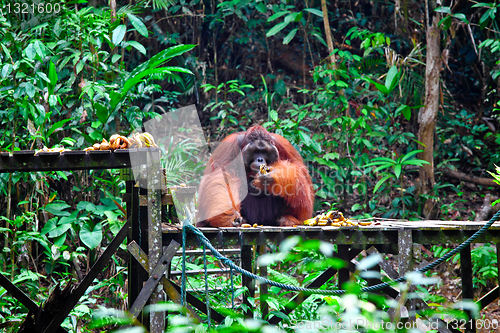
pixel 469 178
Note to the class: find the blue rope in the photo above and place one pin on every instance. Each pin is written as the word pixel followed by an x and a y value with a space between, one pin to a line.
pixel 232 287
pixel 183 278
pixel 206 287
pixel 232 265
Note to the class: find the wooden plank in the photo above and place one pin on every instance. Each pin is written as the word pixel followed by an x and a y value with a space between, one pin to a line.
pixel 18 294
pixel 491 296
pixel 155 276
pixel 190 299
pixel 295 302
pixel 70 160
pixel 170 290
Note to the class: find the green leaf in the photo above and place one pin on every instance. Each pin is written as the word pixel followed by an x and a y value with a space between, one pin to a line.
pixel 50 225
pixel 416 162
pixel 273 115
pixel 137 46
pixel 149 67
pixel 138 24
pixel 115 58
pixel 261 7
pixel 446 22
pixel 305 137
pixel 291 17
pixel 445 10
pixel 391 79
pixel 406 112
pixel 59 230
pixel 397 170
pixel 30 52
pixel 377 85
pixel 43 76
pixel 39 49
pixel 314 11
pixel 277 28
pixel 56 126
pixel 461 17
pixel 6 70
pixel 275 16
pixel 101 112
pixel 290 36
pixel 30 89
pixel 91 237
pixel 52 74
pixel 410 154
pixel 118 34
pixel 57 208
pixel 380 182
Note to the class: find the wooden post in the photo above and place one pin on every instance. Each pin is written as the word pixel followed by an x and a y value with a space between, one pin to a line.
pixel 264 308
pixel 134 269
pixel 405 261
pixel 343 274
pixel 246 263
pixel 157 319
pixel 467 285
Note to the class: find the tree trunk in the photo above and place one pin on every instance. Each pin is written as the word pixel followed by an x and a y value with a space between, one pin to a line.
pixel 328 34
pixel 428 114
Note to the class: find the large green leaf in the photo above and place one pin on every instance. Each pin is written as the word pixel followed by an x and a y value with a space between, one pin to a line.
pixel 277 15
pixel 119 34
pixel 138 24
pixel 314 11
pixel 277 28
pixel 150 67
pixel 91 237
pixel 59 230
pixel 57 208
pixel 102 112
pixel 30 89
pixel 392 78
pixel 57 125
pixel 379 86
pixel 290 36
pixel 52 77
pixel 137 46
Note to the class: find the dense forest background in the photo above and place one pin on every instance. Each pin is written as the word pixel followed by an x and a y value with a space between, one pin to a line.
pixel 394 106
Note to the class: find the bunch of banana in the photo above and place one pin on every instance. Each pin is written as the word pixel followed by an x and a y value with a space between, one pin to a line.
pixel 117 141
pixel 51 150
pixel 142 140
pixel 264 169
pixel 333 218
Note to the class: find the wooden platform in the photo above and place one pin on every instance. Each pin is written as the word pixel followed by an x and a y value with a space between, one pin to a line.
pixel 382 231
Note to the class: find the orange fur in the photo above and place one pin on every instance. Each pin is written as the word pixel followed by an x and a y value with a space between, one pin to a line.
pixel 220 203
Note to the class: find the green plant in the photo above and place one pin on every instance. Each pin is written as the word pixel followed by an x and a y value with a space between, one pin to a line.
pixel 397 165
pixel 484 260
pixel 225 105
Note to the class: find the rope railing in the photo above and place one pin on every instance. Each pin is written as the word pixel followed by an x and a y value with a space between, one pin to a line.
pixel 204 240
